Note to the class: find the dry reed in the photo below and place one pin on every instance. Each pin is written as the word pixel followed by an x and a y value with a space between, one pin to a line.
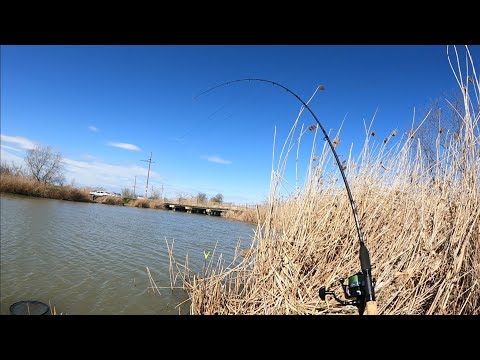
pixel 141 203
pixel 110 200
pixel 26 186
pixel 157 204
pixel 246 215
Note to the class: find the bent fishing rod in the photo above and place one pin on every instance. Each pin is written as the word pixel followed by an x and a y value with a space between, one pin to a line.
pixel 360 290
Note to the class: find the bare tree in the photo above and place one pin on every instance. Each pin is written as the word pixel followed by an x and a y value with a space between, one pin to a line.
pixel 201 198
pixel 127 193
pixel 217 198
pixel 44 165
pixel 11 169
pixel 155 194
pixel 181 197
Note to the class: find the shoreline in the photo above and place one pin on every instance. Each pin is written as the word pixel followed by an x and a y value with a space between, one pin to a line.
pixel 17 185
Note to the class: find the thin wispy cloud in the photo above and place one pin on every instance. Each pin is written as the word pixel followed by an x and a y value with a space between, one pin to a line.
pixel 124 146
pixel 88 157
pixel 111 176
pixel 89 171
pixel 9 157
pixel 217 160
pixel 24 143
pixel 93 128
pixel 86 172
pixel 179 140
pixel 11 148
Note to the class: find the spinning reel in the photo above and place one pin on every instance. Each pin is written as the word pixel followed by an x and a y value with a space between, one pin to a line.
pixel 354 291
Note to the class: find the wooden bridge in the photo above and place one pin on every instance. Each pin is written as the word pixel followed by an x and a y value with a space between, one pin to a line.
pixel 194 209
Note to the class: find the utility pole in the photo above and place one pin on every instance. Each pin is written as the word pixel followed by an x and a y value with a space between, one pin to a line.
pixel 148 174
pixel 134 184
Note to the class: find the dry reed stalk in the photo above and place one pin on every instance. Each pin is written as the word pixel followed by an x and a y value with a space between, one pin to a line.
pixel 142 203
pixel 153 285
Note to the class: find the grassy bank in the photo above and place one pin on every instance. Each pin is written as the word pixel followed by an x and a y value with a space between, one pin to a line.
pixel 421 223
pixel 246 215
pixel 26 186
pixel 16 184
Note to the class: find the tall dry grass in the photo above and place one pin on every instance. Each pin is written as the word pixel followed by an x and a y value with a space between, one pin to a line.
pixel 146 203
pixel 246 215
pixel 157 204
pixel 110 200
pixel 421 223
pixel 140 203
pixel 26 186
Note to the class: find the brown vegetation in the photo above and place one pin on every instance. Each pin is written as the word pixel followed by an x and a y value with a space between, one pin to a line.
pixel 146 203
pixel 140 203
pixel 26 186
pixel 157 204
pixel 109 200
pixel 246 215
pixel 422 230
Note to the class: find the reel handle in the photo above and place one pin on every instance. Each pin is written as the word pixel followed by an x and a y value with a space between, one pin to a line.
pixel 322 293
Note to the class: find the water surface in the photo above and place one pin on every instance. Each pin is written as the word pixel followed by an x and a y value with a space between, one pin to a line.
pixel 91 258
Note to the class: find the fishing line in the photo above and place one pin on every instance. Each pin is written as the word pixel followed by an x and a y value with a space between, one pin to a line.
pixel 326 137
pixel 204 122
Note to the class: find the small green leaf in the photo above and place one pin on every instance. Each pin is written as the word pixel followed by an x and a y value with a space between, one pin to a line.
pixel 206 254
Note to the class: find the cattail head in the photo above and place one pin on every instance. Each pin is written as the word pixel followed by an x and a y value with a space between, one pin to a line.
pixel 385 140
pixel 394 133
pixel 246 253
pixel 312 127
pixel 336 141
pixel 321 87
pixel 455 136
pixel 469 79
pixel 410 134
pixel 373 133
pixel 314 158
pixel 440 130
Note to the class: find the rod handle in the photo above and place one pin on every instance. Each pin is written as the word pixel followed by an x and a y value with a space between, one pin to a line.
pixel 372 308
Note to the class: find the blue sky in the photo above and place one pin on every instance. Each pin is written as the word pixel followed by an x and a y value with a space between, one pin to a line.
pixel 105 108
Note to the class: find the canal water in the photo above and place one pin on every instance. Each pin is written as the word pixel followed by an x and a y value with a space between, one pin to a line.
pixel 87 258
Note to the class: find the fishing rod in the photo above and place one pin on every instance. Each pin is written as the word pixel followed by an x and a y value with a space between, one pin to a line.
pixel 360 289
